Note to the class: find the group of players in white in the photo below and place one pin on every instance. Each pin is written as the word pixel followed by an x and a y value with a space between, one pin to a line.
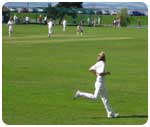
pixel 50 24
pixel 98 69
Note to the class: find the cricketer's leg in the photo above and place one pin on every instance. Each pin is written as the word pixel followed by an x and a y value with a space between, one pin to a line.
pixel 10 30
pixel 9 33
pixel 49 32
pixel 105 100
pixel 90 95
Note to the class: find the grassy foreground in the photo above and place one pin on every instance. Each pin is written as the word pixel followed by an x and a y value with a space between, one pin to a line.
pixel 41 75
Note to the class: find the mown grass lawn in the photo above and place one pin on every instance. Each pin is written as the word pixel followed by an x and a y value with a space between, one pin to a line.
pixel 40 75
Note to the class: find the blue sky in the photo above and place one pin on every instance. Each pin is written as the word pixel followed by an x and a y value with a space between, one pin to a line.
pixel 113 5
pixel 131 5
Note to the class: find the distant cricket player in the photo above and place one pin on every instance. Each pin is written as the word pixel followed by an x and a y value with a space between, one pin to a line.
pixel 10 26
pixel 64 23
pixel 99 70
pixel 50 26
pixel 80 29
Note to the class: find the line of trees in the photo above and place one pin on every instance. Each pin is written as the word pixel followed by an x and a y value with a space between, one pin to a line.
pixel 62 9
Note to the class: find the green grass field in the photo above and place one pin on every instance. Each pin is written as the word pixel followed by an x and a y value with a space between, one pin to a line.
pixel 41 75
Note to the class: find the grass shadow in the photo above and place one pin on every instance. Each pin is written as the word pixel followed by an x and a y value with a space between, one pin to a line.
pixel 133 116
pixel 123 116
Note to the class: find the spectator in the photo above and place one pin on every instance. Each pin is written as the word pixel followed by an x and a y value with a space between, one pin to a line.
pixel 40 19
pixel 114 22
pixel 118 22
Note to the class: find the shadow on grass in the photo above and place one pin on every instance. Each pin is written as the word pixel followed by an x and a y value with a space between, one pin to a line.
pixel 133 116
pixel 125 116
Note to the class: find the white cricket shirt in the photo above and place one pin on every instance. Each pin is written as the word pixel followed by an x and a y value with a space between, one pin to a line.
pixel 50 24
pixel 99 67
pixel 64 23
pixel 10 24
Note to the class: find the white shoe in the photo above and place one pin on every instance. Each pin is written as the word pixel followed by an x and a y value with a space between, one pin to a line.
pixel 77 94
pixel 113 115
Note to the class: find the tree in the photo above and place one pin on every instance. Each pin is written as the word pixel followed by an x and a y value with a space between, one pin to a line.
pixel 67 6
pixel 70 4
pixel 51 12
pixel 62 9
pixel 124 17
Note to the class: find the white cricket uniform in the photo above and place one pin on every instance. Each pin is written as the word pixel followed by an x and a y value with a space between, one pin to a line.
pixel 10 26
pixel 15 18
pixel 100 89
pixel 50 25
pixel 64 25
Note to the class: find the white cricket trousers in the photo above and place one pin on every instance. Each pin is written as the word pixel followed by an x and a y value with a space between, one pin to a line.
pixel 99 90
pixel 49 30
pixel 10 30
pixel 64 28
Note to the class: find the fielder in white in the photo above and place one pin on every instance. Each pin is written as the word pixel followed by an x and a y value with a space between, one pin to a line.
pixel 80 30
pixel 50 26
pixel 99 70
pixel 10 26
pixel 64 23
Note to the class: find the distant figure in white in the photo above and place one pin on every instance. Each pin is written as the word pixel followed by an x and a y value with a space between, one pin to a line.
pixel 99 20
pixel 15 19
pixel 64 23
pixel 45 20
pixel 10 26
pixel 94 22
pixel 88 21
pixel 118 22
pixel 27 20
pixel 50 26
pixel 80 29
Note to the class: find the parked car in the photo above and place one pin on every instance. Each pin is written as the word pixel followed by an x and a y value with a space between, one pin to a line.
pixel 25 10
pixel 113 12
pixel 13 9
pixel 80 12
pixel 99 12
pixel 22 10
pixel 30 10
pixel 137 13
pixel 105 12
pixel 40 10
pixel 35 10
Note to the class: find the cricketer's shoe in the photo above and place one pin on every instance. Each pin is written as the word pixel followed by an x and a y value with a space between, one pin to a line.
pixel 113 115
pixel 77 94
